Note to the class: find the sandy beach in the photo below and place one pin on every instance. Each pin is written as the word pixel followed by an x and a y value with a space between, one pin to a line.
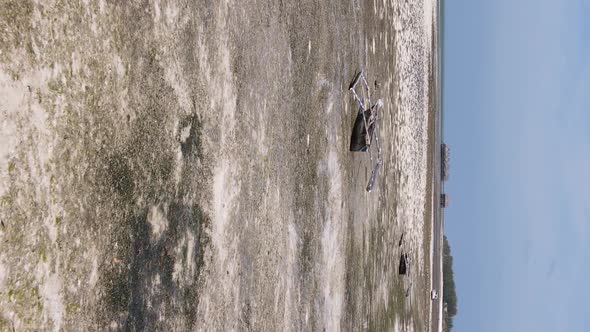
pixel 184 165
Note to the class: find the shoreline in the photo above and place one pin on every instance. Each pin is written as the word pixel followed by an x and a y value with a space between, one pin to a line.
pixel 436 217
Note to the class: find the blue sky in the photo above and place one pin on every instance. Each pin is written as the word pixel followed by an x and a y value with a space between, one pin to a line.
pixel 517 118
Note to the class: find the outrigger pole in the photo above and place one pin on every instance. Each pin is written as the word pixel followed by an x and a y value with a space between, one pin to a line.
pixel 366 125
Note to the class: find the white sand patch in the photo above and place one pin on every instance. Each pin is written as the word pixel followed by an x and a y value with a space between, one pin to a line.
pixel 119 67
pixel 24 126
pixel 158 221
pixel 156 280
pixel 429 16
pixel 174 77
pixel 291 304
pixel 50 291
pixel 397 326
pixel 157 11
pixel 223 195
pixel 93 278
pixel 221 287
pixel 51 229
pixel 177 273
pixel 76 63
pixel 190 256
pixel 260 134
pixel 173 72
pixel 13 99
pixel 332 252
pixel 171 13
pixel 179 158
pixel 185 133
pixel 220 302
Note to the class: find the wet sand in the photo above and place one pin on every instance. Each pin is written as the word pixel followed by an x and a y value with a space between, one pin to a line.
pixel 184 165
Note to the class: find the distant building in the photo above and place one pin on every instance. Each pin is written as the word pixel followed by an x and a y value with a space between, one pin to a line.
pixel 444 200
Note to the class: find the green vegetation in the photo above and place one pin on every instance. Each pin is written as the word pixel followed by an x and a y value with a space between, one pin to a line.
pixel 449 295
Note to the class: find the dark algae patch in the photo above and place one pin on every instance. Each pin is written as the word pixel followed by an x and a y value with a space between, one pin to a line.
pixel 142 286
pixel 142 282
pixel 151 280
pixel 120 176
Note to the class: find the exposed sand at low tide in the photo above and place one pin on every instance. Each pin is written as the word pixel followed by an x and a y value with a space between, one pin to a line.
pixel 185 165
